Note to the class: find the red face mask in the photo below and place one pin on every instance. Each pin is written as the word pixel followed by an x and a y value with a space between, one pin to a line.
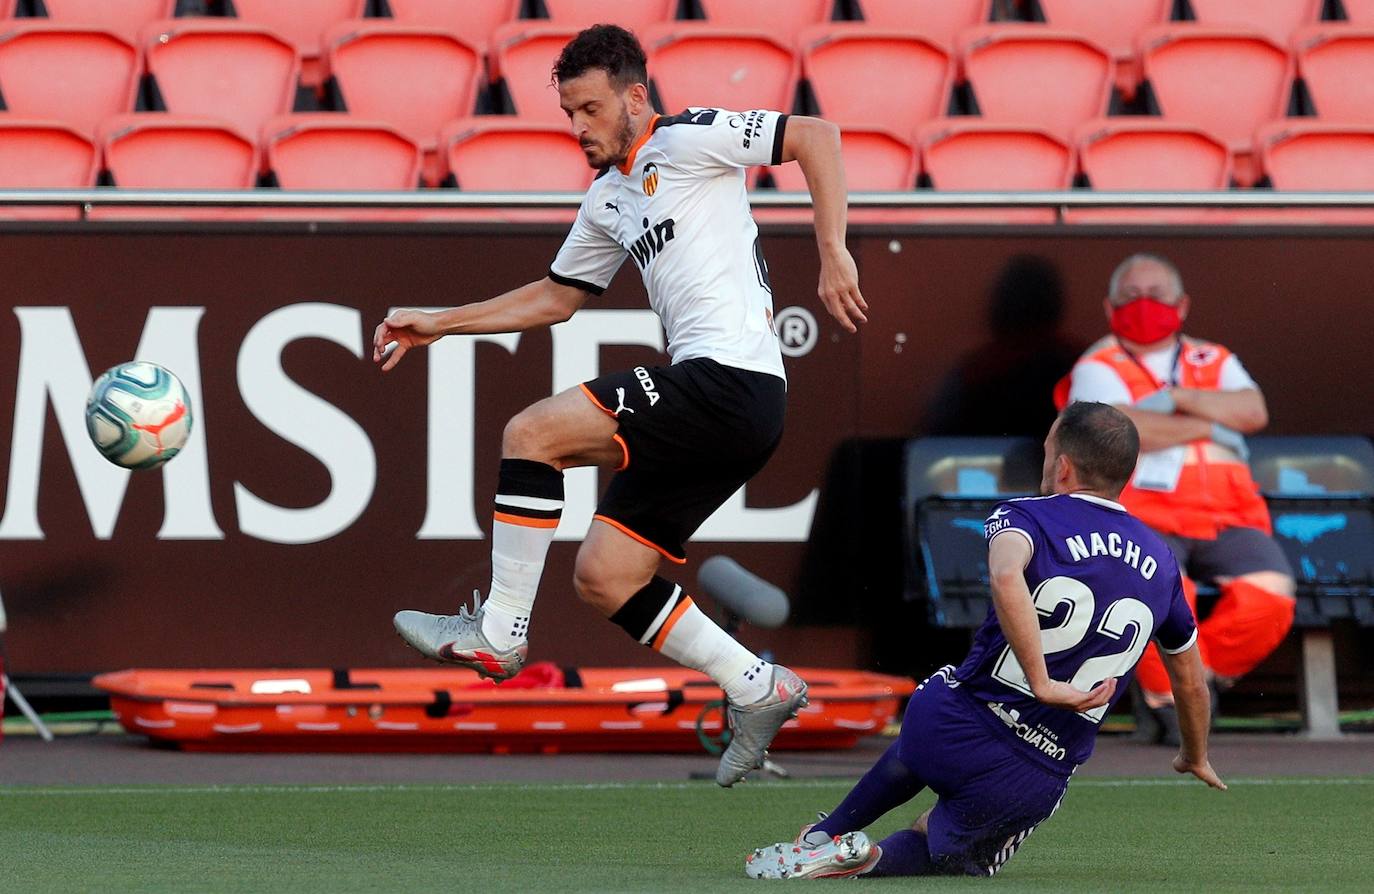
pixel 1146 321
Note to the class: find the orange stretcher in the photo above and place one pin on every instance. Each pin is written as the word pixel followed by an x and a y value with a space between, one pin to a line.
pixel 545 709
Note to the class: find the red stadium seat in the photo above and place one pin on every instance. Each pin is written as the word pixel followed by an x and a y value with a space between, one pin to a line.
pixel 634 16
pixel 1302 154
pixel 1336 63
pixel 303 22
pixel 1359 12
pixel 939 19
pixel 155 150
pixel 694 64
pixel 1276 18
pixel 497 153
pixel 413 78
pixel 523 54
pixel 1115 24
pixel 874 159
pixel 1226 80
pixel 325 150
pixel 843 63
pixel 1028 74
pixel 784 18
pixel 963 154
pixel 220 68
pixel 1130 154
pixel 473 20
pixel 125 17
pixel 7 8
pixel 70 73
pixel 44 155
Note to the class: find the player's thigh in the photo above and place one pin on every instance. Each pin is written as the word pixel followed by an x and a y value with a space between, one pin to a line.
pixel 1240 552
pixel 976 829
pixel 566 430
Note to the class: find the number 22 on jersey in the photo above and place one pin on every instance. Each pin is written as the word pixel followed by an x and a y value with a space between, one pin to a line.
pixel 1127 621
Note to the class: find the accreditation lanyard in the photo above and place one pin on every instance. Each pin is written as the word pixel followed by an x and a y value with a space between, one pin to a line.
pixel 1173 366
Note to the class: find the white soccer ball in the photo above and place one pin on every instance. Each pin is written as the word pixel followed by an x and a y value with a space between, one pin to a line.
pixel 138 415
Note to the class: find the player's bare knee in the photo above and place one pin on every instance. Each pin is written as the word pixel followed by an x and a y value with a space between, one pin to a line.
pixel 523 439
pixel 590 580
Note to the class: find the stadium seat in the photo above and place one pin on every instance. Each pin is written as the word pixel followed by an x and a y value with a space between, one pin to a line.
pixel 70 73
pixel 784 18
pixel 495 153
pixel 1130 154
pixel 473 20
pixel 7 8
pixel 1359 12
pixel 694 64
pixel 44 155
pixel 634 16
pixel 220 68
pixel 1308 155
pixel 155 150
pixel 414 78
pixel 1029 74
pixel 1276 18
pixel 965 154
pixel 844 62
pixel 1337 65
pixel 303 22
pixel 324 150
pixel 1224 79
pixel 523 54
pixel 125 17
pixel 874 159
pixel 941 20
pixel 1114 24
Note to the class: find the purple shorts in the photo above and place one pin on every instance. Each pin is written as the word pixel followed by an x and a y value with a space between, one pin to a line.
pixel 990 796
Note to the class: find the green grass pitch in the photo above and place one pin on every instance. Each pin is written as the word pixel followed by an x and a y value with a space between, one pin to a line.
pixel 1110 835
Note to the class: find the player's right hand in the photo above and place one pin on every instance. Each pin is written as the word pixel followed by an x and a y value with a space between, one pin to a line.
pixel 408 329
pixel 1201 769
pixel 1064 695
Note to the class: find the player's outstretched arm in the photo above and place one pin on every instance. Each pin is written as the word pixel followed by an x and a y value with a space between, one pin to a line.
pixel 1194 705
pixel 815 145
pixel 1008 555
pixel 540 303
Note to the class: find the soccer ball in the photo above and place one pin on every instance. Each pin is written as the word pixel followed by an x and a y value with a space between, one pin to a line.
pixel 138 415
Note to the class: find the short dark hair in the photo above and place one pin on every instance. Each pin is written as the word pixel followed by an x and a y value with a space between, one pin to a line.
pixel 609 48
pixel 1101 442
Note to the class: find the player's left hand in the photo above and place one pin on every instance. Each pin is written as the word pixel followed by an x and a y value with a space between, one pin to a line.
pixel 1064 695
pixel 839 289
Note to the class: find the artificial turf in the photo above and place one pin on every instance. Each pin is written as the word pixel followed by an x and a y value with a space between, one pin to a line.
pixel 1110 835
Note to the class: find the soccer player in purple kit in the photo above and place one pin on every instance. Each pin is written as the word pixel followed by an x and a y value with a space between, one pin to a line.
pixel 1079 587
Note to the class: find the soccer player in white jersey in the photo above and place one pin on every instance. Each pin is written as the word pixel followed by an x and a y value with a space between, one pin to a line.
pixel 682 438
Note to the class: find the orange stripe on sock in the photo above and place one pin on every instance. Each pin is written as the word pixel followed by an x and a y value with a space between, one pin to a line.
pixel 669 624
pixel 624 449
pixel 633 536
pixel 522 521
pixel 599 405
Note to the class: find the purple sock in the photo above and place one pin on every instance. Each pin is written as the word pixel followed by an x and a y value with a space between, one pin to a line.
pixel 890 783
pixel 904 853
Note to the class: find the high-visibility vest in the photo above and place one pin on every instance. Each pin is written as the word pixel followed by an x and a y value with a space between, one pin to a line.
pixel 1210 495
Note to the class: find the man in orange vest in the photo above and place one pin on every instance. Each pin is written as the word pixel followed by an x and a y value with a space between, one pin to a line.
pixel 1193 403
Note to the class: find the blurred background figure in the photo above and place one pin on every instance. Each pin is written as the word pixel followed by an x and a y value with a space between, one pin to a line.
pixel 1005 385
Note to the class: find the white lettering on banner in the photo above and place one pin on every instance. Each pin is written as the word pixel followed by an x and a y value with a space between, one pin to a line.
pixel 577 358
pixel 451 512
pixel 53 364
pixel 304 419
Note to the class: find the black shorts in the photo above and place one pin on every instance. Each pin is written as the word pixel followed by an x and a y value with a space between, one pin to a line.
pixel 692 433
pixel 1236 551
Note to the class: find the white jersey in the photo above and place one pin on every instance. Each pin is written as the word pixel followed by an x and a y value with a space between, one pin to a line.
pixel 679 208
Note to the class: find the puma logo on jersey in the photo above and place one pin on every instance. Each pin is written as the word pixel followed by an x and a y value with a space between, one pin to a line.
pixel 651 242
pixel 647 383
pixel 620 397
pixel 612 206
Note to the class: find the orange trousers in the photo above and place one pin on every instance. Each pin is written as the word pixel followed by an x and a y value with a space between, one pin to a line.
pixel 1247 624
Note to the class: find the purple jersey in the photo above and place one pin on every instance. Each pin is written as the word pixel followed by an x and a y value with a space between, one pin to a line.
pixel 1104 585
